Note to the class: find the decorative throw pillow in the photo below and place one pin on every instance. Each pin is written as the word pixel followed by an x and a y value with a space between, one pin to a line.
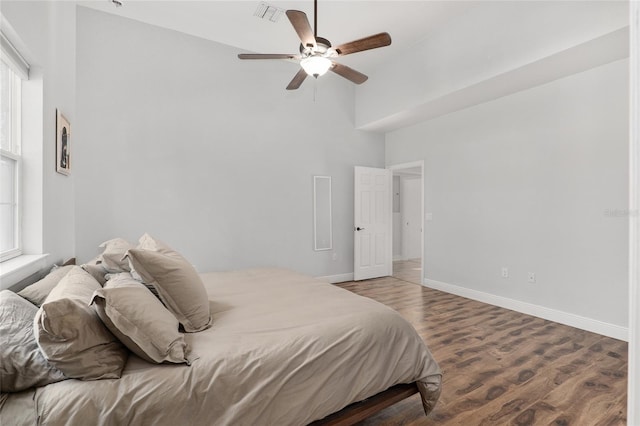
pixel 178 284
pixel 112 256
pixel 22 366
pixel 37 292
pixel 70 334
pixel 140 321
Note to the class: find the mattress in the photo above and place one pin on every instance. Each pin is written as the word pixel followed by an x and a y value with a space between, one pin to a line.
pixel 283 349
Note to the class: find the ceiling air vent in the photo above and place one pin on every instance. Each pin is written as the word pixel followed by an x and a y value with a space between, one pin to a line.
pixel 268 12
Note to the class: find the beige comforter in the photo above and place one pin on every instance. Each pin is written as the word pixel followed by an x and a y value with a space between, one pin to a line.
pixel 283 349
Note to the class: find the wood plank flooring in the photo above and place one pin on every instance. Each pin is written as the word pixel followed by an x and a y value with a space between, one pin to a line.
pixel 408 270
pixel 503 367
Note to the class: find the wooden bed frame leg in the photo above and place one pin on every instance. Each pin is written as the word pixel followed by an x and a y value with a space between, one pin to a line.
pixel 358 411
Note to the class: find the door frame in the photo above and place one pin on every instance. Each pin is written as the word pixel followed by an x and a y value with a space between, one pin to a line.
pixel 400 166
pixel 633 389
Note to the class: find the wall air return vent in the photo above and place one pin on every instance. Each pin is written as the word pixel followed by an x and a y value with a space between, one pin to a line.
pixel 268 12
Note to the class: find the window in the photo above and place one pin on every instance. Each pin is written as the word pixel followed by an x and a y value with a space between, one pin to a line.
pixel 13 70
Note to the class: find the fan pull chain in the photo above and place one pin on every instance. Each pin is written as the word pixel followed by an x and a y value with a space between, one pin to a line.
pixel 315 89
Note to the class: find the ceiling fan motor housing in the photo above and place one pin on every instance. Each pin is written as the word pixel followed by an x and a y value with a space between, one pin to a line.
pixel 322 48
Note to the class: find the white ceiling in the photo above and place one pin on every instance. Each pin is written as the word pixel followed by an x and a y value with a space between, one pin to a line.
pixel 233 22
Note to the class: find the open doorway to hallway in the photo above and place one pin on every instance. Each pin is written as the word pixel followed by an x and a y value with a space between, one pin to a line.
pixel 408 223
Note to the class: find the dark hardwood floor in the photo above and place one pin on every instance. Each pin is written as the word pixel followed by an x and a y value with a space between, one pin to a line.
pixel 503 367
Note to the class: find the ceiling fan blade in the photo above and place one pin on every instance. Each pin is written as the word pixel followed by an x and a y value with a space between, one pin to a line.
pixel 267 56
pixel 303 28
pixel 297 80
pixel 367 43
pixel 348 73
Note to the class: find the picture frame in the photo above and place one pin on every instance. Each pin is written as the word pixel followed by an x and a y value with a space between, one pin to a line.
pixel 63 144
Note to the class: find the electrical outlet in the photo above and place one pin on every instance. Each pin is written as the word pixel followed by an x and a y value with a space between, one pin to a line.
pixel 531 277
pixel 505 272
pixel 334 256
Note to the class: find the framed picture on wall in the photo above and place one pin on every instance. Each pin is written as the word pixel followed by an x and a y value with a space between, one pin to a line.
pixel 63 144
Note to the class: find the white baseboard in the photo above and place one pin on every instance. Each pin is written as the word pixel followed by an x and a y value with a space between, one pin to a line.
pixel 398 257
pixel 340 278
pixel 577 321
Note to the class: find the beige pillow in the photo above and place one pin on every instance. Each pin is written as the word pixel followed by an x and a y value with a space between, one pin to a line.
pixel 22 366
pixel 178 284
pixel 147 242
pixel 97 271
pixel 112 256
pixel 140 321
pixel 37 292
pixel 70 334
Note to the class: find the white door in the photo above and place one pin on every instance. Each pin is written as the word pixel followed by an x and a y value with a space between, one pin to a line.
pixel 372 223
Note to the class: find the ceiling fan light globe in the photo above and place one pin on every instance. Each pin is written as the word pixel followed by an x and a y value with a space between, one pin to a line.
pixel 316 65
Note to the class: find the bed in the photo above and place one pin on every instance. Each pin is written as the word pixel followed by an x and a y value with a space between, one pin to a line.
pixel 283 348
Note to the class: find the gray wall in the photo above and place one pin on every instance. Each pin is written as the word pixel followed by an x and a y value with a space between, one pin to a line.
pixel 178 138
pixel 531 181
pixel 46 34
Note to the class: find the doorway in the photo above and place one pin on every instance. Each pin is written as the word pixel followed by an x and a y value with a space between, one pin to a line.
pixel 407 218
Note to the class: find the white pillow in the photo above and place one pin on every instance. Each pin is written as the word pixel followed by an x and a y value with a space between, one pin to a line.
pixel 112 256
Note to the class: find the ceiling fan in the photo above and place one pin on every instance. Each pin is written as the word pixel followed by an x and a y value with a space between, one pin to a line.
pixel 316 53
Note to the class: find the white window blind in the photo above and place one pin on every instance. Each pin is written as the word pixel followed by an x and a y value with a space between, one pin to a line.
pixel 13 58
